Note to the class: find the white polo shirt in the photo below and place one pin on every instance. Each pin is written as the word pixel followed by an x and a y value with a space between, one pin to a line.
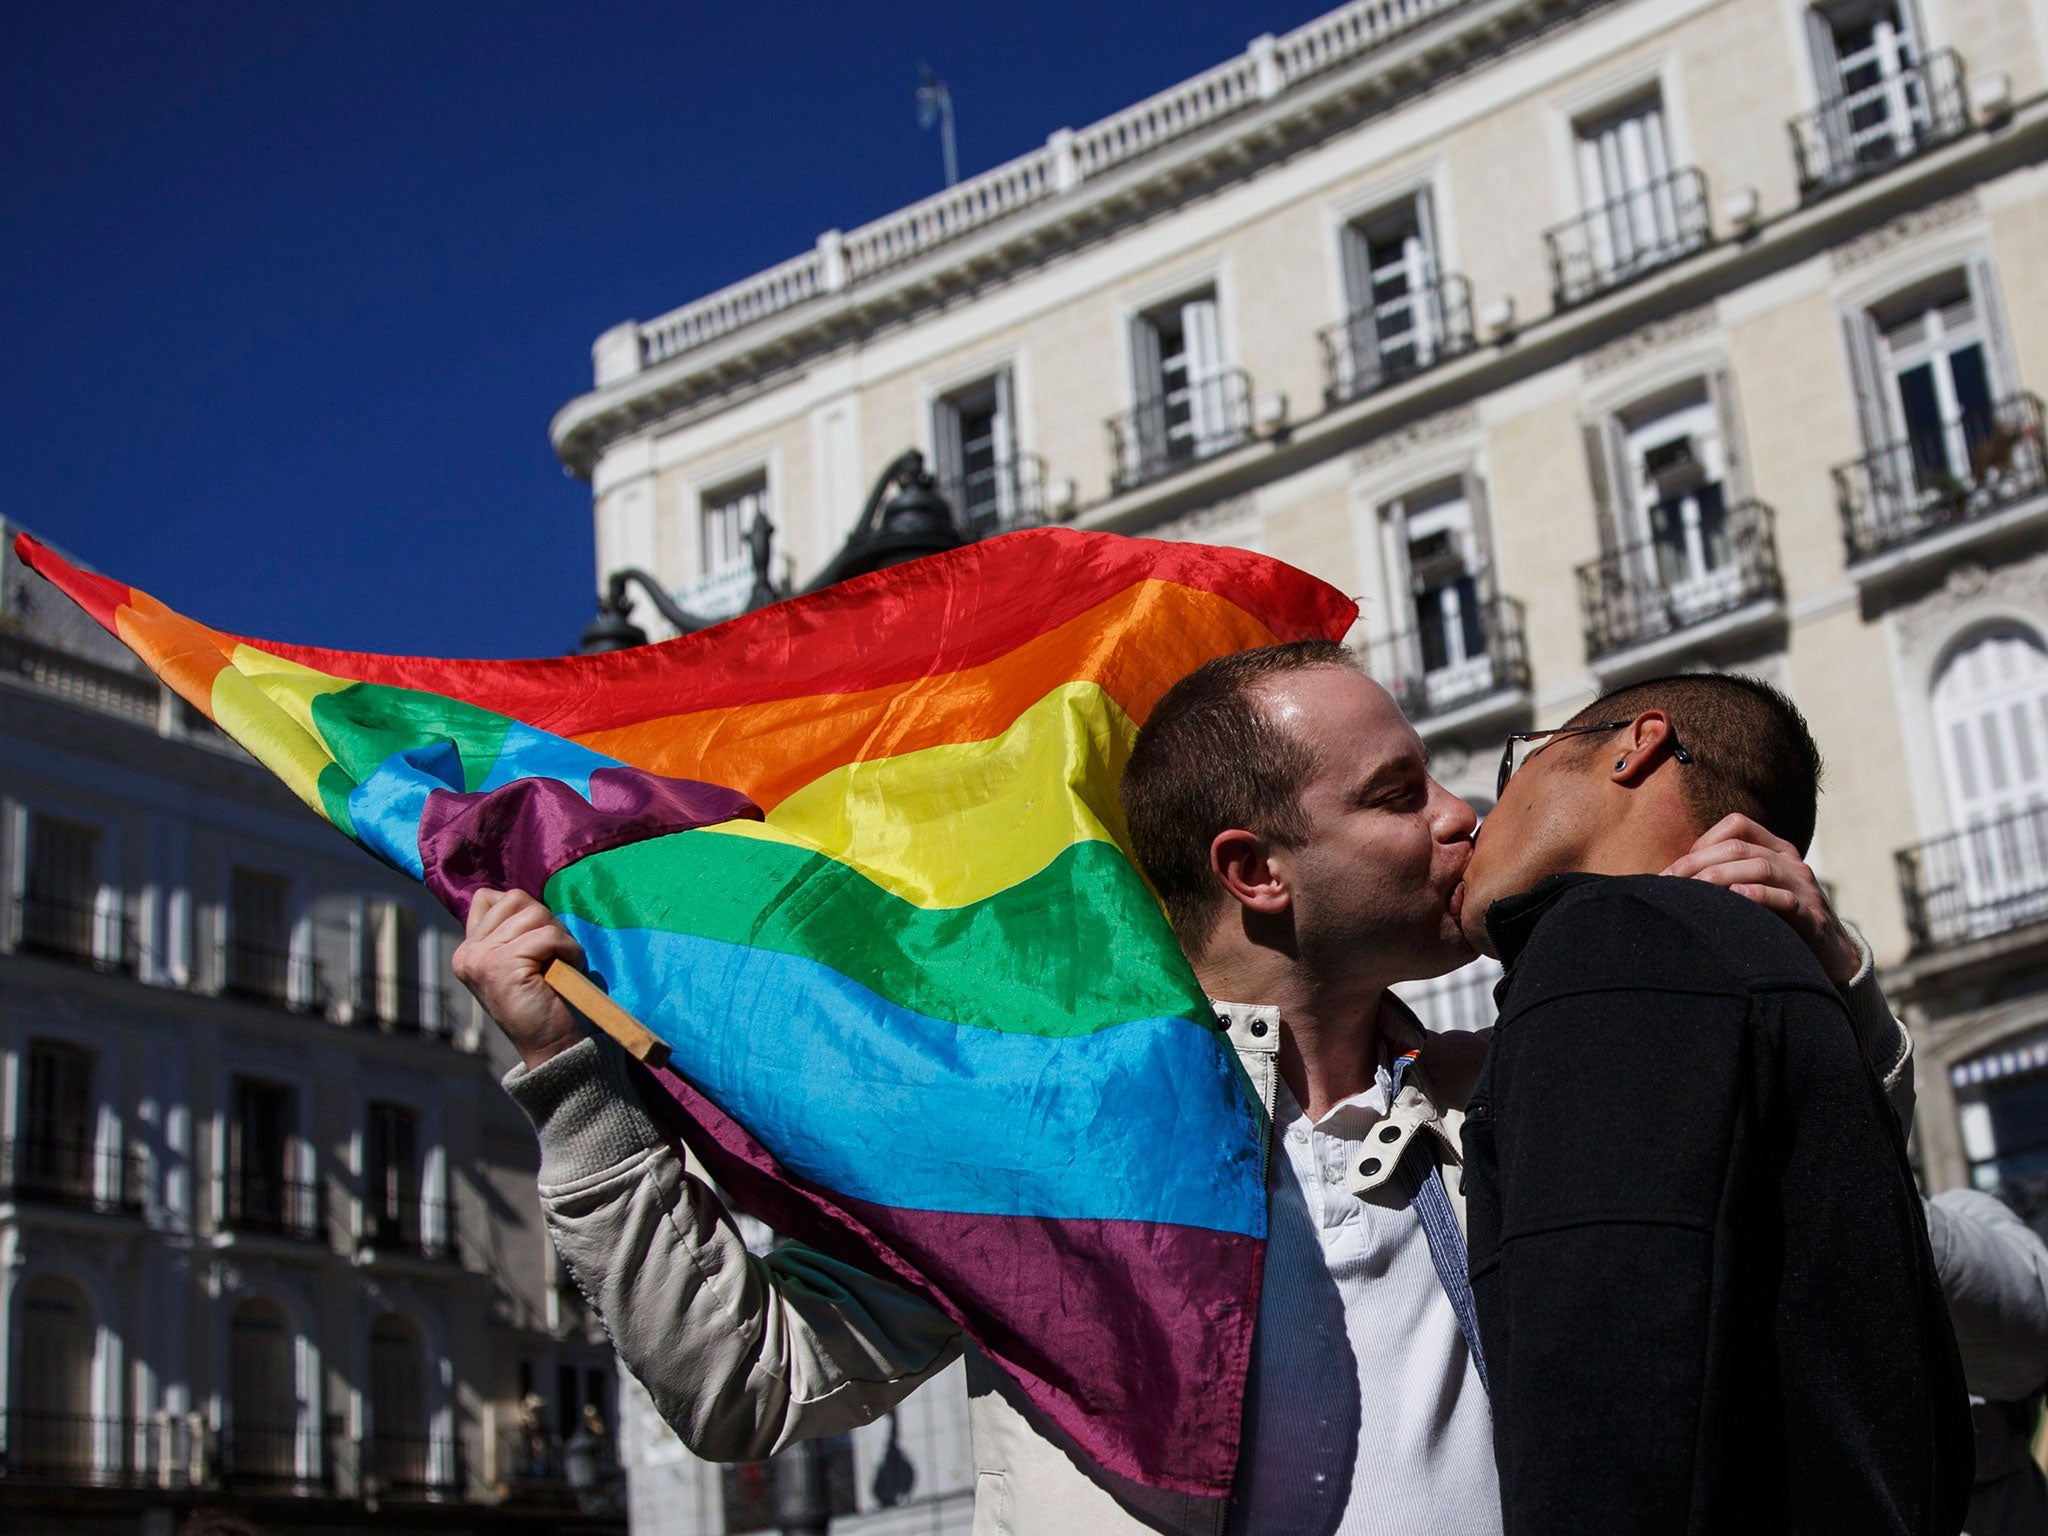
pixel 1365 1415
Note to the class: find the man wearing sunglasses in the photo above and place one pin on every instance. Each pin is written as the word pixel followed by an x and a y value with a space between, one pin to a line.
pixel 1702 1275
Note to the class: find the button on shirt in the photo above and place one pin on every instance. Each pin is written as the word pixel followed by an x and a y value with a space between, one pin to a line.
pixel 1365 1415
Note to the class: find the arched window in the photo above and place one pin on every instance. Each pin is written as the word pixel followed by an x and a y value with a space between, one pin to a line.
pixel 1989 720
pixel 1990 709
pixel 53 1429
pixel 398 1405
pixel 261 1441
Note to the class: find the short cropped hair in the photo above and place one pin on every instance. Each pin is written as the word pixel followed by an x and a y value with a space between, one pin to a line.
pixel 1209 758
pixel 1751 750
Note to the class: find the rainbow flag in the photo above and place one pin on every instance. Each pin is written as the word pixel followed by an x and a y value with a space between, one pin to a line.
pixel 858 860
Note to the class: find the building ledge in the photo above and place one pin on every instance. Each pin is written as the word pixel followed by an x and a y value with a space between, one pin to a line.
pixel 1490 713
pixel 1935 553
pixel 1972 962
pixel 1727 631
pixel 404 1261
pixel 270 1245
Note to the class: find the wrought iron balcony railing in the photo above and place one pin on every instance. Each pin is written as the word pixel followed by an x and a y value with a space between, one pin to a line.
pixel 1463 656
pixel 262 973
pixel 1395 339
pixel 1879 122
pixel 1158 436
pixel 73 1450
pixel 70 1171
pixel 413 1466
pixel 1948 475
pixel 405 1221
pixel 1981 881
pixel 1713 564
pixel 287 1459
pixel 1649 227
pixel 1004 495
pixel 272 1205
pixel 87 932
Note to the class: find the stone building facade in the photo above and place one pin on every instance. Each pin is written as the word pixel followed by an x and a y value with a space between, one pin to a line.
pixel 1582 341
pixel 270 1252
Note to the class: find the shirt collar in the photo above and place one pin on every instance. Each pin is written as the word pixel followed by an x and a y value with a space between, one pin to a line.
pixel 1511 921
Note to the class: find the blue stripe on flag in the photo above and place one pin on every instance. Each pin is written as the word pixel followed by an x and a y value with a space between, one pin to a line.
pixel 1146 1121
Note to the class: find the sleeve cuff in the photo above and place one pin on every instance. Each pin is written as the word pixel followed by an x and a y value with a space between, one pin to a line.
pixel 586 1108
pixel 1882 1038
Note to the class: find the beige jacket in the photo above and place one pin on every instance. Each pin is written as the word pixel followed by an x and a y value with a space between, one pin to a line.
pixel 744 1354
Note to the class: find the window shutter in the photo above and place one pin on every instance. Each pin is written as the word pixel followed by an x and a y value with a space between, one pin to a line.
pixel 1357 259
pixel 1482 530
pixel 1146 442
pixel 1866 380
pixel 1005 450
pixel 1208 411
pixel 1358 360
pixel 946 457
pixel 2005 372
pixel 1600 477
pixel 1827 63
pixel 1721 391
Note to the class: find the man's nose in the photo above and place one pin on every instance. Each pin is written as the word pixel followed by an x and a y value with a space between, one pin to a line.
pixel 1455 819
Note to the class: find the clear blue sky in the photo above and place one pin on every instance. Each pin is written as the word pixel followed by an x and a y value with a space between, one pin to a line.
pixel 289 289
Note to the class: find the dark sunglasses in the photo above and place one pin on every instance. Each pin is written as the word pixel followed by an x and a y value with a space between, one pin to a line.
pixel 1524 745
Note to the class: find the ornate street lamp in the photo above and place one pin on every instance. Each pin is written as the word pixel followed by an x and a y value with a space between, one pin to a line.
pixel 915 522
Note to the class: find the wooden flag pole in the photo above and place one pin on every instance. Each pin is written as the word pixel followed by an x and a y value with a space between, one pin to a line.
pixel 584 995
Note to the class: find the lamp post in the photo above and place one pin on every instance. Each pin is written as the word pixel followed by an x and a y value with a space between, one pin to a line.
pixel 614 630
pixel 915 522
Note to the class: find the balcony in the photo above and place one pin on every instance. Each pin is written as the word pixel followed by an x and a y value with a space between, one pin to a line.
pixel 260 973
pixel 403 1221
pixel 67 1451
pixel 269 1205
pixel 1658 223
pixel 1709 578
pixel 1397 338
pixel 70 1173
pixel 1943 487
pixel 78 931
pixel 274 1459
pixel 1878 124
pixel 1464 671
pixel 1984 880
pixel 412 1466
pixel 1169 432
pixel 998 497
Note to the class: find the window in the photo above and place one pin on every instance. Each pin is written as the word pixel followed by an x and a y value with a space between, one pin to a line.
pixel 261 1442
pixel 1434 569
pixel 259 935
pixel 975 447
pixel 1865 61
pixel 263 1194
pixel 1676 511
pixel 391 1176
pixel 53 1430
pixel 725 515
pixel 55 1156
pixel 1395 322
pixel 1990 715
pixel 398 1407
pixel 392 992
pixel 60 897
pixel 1937 380
pixel 1187 405
pixel 1628 188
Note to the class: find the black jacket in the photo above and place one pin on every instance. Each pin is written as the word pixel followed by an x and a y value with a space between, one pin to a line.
pixel 1702 1274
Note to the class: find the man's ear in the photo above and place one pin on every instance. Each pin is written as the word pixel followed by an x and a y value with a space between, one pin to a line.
pixel 1243 862
pixel 1640 750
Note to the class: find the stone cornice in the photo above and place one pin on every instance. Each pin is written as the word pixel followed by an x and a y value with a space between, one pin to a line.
pixel 1230 149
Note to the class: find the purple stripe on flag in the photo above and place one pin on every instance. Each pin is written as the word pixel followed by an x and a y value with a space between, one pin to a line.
pixel 1133 1337
pixel 517 836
